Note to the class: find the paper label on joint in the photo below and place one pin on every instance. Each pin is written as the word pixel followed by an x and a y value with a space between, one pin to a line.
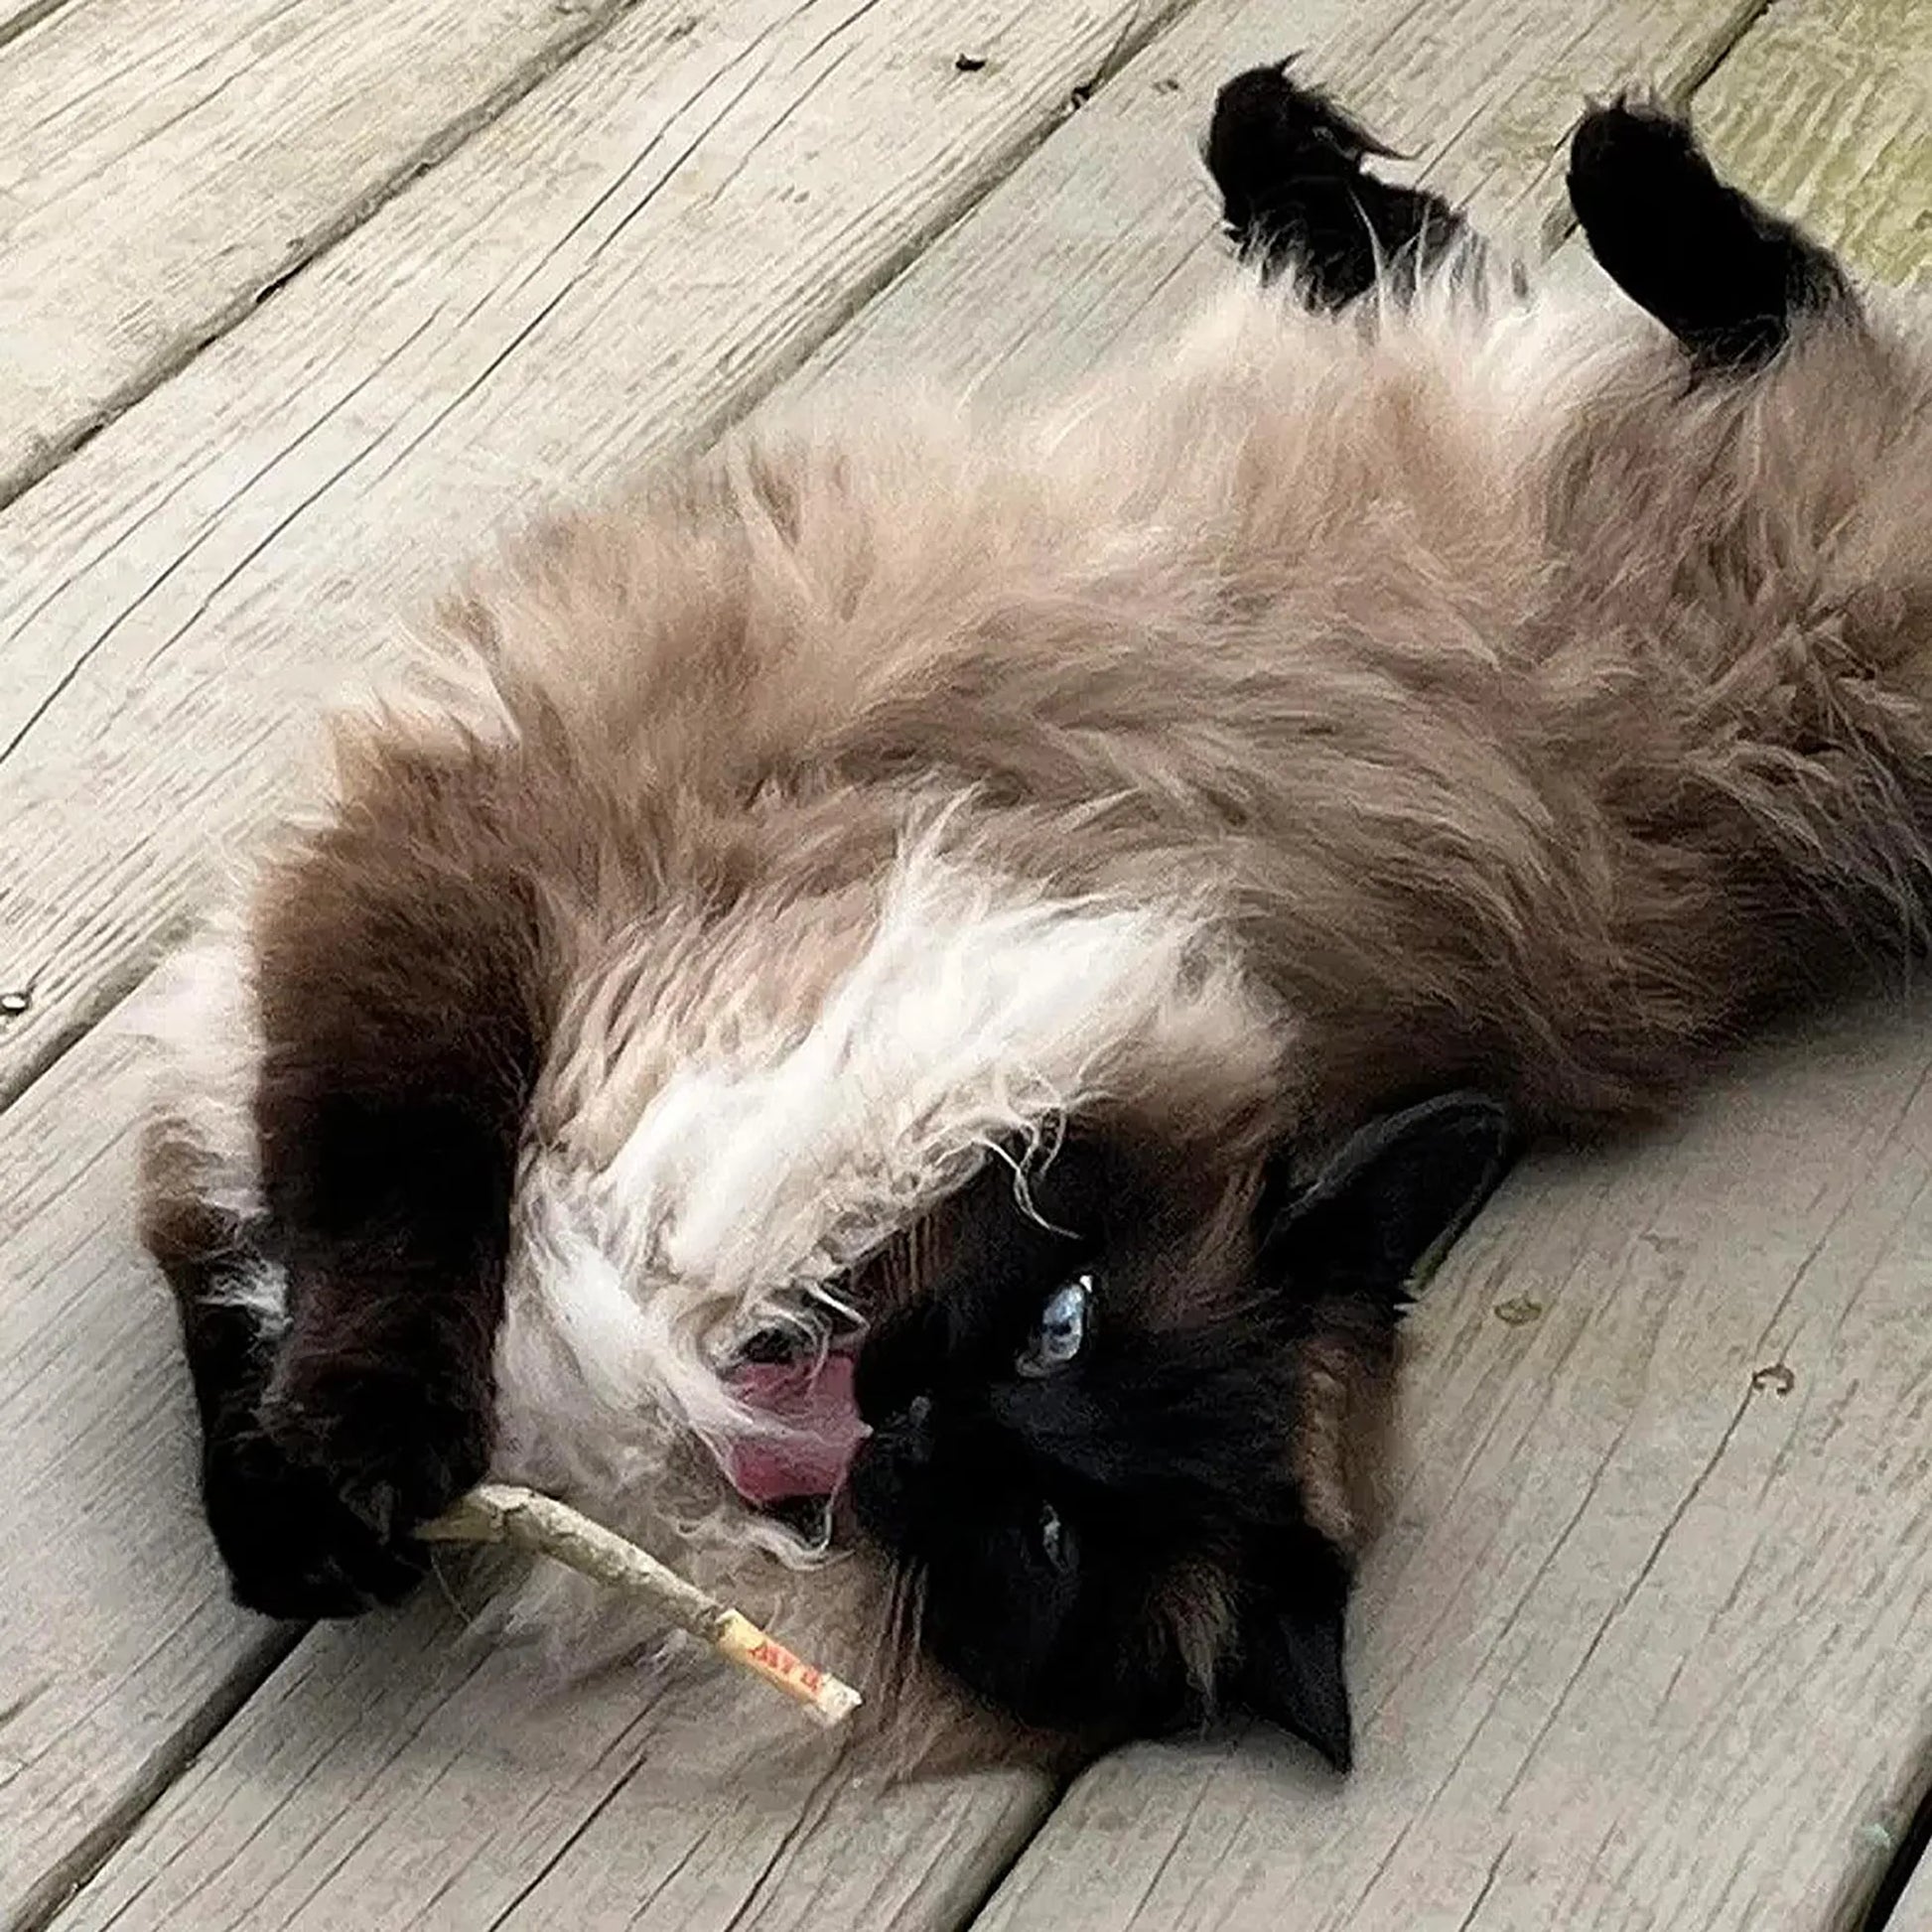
pixel 739 1638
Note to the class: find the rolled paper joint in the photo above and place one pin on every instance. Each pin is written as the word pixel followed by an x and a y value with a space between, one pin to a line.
pixel 501 1512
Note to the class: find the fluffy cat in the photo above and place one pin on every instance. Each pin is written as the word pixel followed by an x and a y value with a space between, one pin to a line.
pixel 922 983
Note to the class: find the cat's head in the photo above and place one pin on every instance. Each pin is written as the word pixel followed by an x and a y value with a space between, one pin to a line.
pixel 1120 1434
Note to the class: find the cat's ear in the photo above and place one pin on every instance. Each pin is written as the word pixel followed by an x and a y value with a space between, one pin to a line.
pixel 1391 1200
pixel 1292 1673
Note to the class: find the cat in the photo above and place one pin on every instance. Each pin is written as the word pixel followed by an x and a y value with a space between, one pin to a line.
pixel 926 986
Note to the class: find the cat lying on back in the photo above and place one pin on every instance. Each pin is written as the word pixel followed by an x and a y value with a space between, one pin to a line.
pixel 919 982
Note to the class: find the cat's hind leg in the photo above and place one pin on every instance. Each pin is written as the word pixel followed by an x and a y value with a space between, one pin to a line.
pixel 1727 278
pixel 1297 200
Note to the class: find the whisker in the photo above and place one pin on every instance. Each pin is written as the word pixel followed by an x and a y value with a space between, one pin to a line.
pixel 915 1634
pixel 905 1619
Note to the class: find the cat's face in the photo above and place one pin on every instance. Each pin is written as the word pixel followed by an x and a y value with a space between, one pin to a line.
pixel 1112 1422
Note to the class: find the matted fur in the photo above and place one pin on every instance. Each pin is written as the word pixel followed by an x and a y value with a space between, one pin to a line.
pixel 1328 708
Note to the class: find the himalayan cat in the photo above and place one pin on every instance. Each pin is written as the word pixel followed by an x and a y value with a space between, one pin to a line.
pixel 922 985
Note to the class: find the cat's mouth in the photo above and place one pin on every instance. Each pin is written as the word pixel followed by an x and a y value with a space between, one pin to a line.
pixel 807 1395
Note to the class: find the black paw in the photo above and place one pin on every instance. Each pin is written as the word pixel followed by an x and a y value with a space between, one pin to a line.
pixel 1267 132
pixel 315 1505
pixel 293 1548
pixel 396 1447
pixel 1289 163
pixel 1722 274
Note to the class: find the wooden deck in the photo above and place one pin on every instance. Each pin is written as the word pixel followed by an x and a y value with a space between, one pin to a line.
pixel 298 297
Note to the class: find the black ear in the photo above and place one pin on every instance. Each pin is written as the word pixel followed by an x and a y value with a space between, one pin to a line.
pixel 1292 1673
pixel 1386 1207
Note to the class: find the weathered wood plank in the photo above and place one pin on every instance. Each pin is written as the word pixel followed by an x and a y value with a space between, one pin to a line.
pixel 1825 110
pixel 116 1655
pixel 1648 1643
pixel 637 251
pixel 404 1780
pixel 161 166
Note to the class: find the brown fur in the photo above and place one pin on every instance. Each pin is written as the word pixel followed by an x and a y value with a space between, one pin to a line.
pixel 1485 706
pixel 1556 773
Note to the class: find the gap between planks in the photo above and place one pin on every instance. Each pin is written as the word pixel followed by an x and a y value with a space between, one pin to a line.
pixel 1903 1899
pixel 165 221
pixel 14 20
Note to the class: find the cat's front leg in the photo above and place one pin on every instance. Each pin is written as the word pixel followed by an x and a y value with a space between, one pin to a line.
pixel 397 983
pixel 292 1546
pixel 390 961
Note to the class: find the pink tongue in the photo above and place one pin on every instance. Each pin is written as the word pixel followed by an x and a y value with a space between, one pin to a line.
pixel 814 1401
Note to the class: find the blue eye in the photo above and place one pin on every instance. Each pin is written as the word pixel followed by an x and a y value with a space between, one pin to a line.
pixel 1062 1330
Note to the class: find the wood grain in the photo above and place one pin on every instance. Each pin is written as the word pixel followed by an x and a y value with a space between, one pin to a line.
pixel 1650 1643
pixel 634 253
pixel 1825 110
pixel 163 167
pixel 405 1777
